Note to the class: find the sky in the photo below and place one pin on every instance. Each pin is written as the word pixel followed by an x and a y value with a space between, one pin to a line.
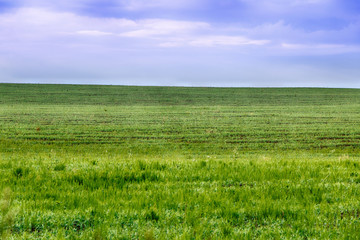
pixel 216 43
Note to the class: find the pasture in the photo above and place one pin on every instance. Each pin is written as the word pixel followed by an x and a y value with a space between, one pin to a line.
pixel 126 162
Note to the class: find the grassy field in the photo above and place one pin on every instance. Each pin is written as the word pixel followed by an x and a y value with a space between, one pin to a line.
pixel 120 162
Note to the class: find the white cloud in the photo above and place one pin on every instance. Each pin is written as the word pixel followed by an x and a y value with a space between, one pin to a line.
pixel 280 32
pixel 172 44
pixel 154 27
pixel 31 25
pixel 93 33
pixel 28 24
pixel 210 41
pixel 43 22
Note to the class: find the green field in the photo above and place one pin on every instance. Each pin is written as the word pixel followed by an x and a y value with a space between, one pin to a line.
pixel 121 162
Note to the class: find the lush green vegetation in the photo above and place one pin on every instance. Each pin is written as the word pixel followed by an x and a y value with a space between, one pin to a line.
pixel 115 162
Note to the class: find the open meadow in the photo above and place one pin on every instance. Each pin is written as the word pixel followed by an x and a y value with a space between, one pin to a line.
pixel 122 162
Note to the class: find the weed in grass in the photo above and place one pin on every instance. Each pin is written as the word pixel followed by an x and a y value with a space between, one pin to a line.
pixel 60 167
pixel 152 215
pixel 141 165
pixel 20 172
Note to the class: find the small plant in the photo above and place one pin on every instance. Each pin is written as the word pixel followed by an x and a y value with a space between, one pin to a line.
pixel 141 165
pixel 20 172
pixel 60 167
pixel 226 230
pixel 203 164
pixel 152 215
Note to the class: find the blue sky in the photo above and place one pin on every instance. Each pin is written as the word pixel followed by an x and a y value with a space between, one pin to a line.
pixel 236 43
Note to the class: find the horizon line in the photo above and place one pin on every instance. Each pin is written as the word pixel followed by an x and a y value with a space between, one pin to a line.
pixel 174 86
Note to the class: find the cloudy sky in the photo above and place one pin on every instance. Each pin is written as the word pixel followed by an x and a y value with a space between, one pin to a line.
pixel 240 43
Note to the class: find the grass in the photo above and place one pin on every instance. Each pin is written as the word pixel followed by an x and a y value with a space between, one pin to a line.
pixel 116 162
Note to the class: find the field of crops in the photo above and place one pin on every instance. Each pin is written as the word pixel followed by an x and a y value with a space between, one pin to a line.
pixel 121 162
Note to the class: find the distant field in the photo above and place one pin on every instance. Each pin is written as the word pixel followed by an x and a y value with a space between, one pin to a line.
pixel 121 162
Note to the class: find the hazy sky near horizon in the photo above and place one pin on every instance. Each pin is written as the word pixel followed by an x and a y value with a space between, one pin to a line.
pixel 239 43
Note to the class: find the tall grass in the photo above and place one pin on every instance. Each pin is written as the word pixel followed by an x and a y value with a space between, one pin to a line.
pixel 7 213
